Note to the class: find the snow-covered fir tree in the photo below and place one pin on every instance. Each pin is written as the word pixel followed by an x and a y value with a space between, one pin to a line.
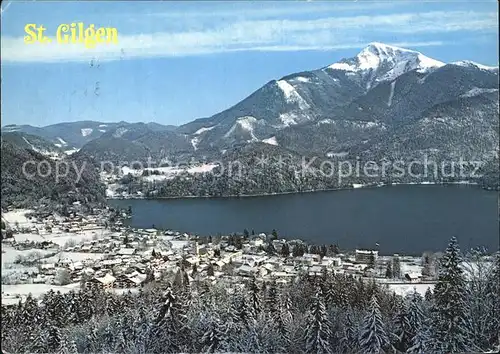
pixel 450 328
pixel 272 301
pixel 403 335
pixel 171 322
pixel 476 270
pixel 255 298
pixel 493 305
pixel 373 337
pixel 156 319
pixel 245 312
pixel 417 320
pixel 285 317
pixel 349 338
pixel 213 340
pixel 318 332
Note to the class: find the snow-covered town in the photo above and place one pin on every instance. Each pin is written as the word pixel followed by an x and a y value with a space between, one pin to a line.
pixel 61 253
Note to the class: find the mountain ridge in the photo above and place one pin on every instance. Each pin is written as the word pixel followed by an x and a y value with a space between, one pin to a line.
pixel 359 106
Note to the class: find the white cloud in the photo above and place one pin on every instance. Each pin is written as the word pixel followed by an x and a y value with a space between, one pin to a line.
pixel 249 10
pixel 329 33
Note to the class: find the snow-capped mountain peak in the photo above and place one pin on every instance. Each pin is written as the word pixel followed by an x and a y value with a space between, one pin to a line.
pixel 469 63
pixel 387 61
pixel 376 53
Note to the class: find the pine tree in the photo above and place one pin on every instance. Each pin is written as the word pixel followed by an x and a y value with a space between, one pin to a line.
pixel 338 294
pixel 112 304
pixel 120 345
pixel 388 271
pixel 67 346
pixel 245 312
pixel 233 315
pixel 54 338
pixel 270 249
pixel 38 342
pixel 396 267
pixel 372 335
pixel 323 251
pixel 210 270
pixel 349 338
pixel 31 314
pixel 478 310
pixel 93 341
pixel 126 326
pixel 285 250
pixel 181 281
pixel 450 332
pixel 285 317
pixel 72 348
pixel 318 332
pixel 171 320
pixel 272 302
pixel 255 298
pixel 108 336
pixel 371 262
pixel 416 317
pixel 213 339
pixel 426 262
pixel 493 304
pixel 428 295
pixel 419 342
pixel 403 334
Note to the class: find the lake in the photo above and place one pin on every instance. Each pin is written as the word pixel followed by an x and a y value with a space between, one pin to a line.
pixel 408 219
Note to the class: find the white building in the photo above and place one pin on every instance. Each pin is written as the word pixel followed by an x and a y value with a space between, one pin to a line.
pixel 365 256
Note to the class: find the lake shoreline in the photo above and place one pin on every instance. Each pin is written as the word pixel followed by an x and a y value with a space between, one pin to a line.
pixel 354 187
pixel 405 218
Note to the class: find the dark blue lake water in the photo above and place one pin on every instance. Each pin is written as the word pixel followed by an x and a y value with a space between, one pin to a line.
pixel 406 219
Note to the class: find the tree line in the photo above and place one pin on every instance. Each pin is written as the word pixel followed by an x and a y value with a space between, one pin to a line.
pixel 327 313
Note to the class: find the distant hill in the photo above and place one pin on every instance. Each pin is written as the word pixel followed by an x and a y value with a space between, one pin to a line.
pixel 33 142
pixel 138 142
pixel 70 135
pixel 26 190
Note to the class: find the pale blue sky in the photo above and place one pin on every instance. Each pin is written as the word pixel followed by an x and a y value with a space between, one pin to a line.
pixel 178 61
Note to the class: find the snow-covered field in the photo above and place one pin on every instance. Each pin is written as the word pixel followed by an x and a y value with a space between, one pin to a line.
pixel 63 237
pixel 11 294
pixel 18 216
pixel 410 268
pixel 405 289
pixel 202 168
pixel 28 237
pixel 15 271
pixel 165 173
pixel 10 254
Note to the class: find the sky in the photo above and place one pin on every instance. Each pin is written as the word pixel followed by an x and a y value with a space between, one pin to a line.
pixel 179 61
